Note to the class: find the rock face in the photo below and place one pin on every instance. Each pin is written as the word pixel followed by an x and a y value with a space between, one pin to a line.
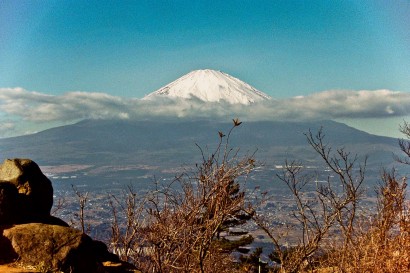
pixel 8 203
pixel 52 248
pixel 56 248
pixel 34 238
pixel 34 188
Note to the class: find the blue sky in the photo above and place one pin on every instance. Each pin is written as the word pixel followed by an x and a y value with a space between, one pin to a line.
pixel 128 49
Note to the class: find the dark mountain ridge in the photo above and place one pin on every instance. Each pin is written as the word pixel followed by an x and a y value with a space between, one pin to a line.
pixel 173 142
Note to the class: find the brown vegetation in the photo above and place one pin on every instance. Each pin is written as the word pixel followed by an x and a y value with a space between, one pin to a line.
pixel 177 227
pixel 335 234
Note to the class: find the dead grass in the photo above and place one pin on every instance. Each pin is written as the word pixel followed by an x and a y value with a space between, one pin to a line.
pixel 14 268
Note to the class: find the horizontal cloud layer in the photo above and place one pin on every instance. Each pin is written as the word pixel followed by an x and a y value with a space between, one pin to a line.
pixel 35 107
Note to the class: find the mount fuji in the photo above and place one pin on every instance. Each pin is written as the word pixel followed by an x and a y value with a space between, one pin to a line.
pixel 122 149
pixel 210 86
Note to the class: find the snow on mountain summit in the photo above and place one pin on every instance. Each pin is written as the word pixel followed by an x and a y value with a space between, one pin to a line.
pixel 210 86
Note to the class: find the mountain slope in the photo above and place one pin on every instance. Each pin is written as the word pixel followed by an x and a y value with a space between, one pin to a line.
pixel 210 86
pixel 173 143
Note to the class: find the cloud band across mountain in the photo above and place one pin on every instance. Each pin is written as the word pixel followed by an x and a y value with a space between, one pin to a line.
pixel 17 103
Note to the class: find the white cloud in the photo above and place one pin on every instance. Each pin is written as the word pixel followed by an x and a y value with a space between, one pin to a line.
pixel 38 108
pixel 7 128
pixel 344 104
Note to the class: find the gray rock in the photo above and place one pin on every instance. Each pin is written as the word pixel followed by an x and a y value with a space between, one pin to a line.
pixel 7 254
pixel 40 240
pixel 52 247
pixel 34 188
pixel 8 203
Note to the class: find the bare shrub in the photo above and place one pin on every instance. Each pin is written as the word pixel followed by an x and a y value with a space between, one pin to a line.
pixel 336 235
pixel 127 223
pixel 385 245
pixel 182 220
pixel 383 242
pixel 327 210
pixel 80 216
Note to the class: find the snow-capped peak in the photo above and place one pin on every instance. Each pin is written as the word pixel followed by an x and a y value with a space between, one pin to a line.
pixel 210 86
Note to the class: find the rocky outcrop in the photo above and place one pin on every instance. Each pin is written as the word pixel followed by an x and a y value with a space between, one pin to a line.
pixel 8 203
pixel 54 247
pixel 34 238
pixel 35 197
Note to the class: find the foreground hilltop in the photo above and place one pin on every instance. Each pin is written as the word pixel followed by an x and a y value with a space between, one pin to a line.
pixel 34 240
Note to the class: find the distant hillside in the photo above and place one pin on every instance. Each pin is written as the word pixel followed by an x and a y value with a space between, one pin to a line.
pixel 172 143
